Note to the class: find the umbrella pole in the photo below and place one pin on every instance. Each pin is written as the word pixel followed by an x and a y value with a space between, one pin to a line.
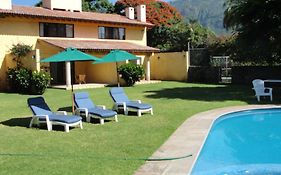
pixel 72 98
pixel 118 81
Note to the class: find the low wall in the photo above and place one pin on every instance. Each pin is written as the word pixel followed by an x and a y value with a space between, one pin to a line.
pixel 170 66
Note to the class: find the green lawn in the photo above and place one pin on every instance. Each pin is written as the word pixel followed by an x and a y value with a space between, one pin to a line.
pixel 101 149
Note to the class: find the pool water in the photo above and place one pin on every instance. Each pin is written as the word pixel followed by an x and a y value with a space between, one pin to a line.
pixel 246 142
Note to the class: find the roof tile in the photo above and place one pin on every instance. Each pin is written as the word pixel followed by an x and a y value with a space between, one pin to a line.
pixel 39 12
pixel 96 45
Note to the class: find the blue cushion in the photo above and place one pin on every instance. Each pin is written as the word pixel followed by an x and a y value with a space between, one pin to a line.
pixel 137 105
pixel 39 106
pixel 118 95
pixel 82 100
pixel 63 118
pixel 104 113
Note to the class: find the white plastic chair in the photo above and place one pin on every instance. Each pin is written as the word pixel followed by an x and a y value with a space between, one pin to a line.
pixel 260 90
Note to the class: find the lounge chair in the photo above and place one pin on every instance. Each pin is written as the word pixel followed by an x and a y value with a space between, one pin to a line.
pixel 43 114
pixel 85 106
pixel 260 90
pixel 122 102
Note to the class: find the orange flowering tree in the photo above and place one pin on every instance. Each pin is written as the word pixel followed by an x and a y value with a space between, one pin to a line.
pixel 158 12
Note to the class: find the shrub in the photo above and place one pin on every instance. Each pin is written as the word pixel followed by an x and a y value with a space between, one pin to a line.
pixel 19 79
pixel 39 82
pixel 25 81
pixel 131 73
pixel 204 74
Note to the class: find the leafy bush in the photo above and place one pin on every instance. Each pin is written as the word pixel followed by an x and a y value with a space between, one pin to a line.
pixel 39 82
pixel 204 74
pixel 25 81
pixel 19 79
pixel 131 73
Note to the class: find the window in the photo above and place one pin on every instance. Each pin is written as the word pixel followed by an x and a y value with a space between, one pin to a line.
pixel 56 30
pixel 111 33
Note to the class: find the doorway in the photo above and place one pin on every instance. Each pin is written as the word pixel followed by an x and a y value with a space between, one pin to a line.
pixel 57 71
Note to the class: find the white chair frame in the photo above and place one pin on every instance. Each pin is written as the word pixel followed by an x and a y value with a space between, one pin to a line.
pixel 35 121
pixel 122 105
pixel 84 111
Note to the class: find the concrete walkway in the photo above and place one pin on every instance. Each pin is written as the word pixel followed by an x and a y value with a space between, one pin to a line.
pixel 98 85
pixel 187 139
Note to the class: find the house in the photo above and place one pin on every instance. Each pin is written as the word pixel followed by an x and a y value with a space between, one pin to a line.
pixel 60 24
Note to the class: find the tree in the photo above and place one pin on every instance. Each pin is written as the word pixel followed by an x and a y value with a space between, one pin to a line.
pixel 177 37
pixel 19 51
pixel 257 25
pixel 158 13
pixel 101 6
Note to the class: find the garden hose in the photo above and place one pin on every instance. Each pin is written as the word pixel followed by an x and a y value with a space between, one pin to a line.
pixel 94 157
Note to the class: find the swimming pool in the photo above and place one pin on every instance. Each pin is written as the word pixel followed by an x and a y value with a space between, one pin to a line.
pixel 246 142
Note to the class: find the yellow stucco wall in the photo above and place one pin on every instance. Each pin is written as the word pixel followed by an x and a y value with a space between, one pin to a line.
pixel 170 66
pixel 102 73
pixel 14 30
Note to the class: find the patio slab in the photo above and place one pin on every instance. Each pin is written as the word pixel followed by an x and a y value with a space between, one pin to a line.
pixel 98 85
pixel 80 86
pixel 187 139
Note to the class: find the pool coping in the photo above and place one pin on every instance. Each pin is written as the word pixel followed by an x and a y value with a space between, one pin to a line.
pixel 188 139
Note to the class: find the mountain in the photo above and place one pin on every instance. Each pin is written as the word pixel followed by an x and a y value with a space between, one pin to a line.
pixel 209 13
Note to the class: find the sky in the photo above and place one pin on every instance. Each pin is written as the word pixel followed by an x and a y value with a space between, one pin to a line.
pixel 32 2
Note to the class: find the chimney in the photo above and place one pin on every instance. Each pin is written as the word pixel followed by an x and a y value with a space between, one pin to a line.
pixel 66 5
pixel 141 13
pixel 6 4
pixel 130 12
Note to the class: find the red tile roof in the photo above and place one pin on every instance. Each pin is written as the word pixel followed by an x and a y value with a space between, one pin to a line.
pixel 43 13
pixel 96 45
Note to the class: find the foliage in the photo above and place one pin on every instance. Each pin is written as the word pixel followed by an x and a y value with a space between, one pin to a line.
pixel 19 79
pixel 101 6
pixel 39 82
pixel 157 12
pixel 19 51
pixel 223 45
pixel 177 37
pixel 24 81
pixel 39 4
pixel 257 25
pixel 204 74
pixel 131 73
pixel 208 13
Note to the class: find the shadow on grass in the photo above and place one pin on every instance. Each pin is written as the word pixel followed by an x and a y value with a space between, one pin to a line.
pixel 216 93
pixel 24 122
pixel 21 122
pixel 131 113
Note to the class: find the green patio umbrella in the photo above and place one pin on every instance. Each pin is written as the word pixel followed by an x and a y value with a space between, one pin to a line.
pixel 70 54
pixel 116 56
pixel 67 56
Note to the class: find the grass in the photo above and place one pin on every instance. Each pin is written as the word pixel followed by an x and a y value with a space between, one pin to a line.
pixel 102 149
